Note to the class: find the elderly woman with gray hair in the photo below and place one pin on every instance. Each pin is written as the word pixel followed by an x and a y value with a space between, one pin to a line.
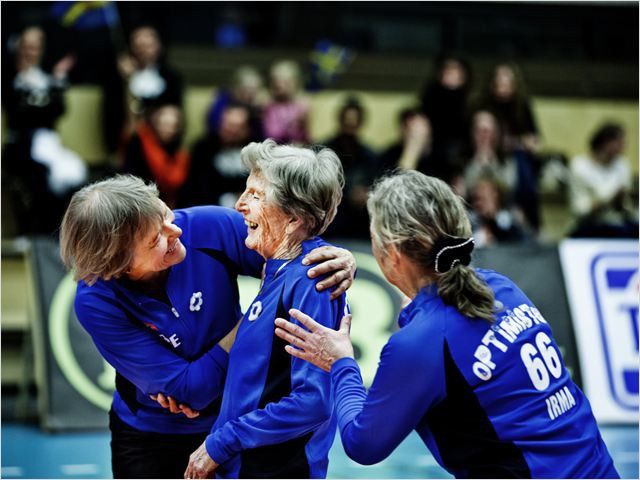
pixel 276 418
pixel 473 369
pixel 157 292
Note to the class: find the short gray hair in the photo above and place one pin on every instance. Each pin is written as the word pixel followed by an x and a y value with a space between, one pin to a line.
pixel 102 223
pixel 412 211
pixel 302 181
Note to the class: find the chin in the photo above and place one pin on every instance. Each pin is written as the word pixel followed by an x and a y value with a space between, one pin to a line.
pixel 250 244
pixel 180 255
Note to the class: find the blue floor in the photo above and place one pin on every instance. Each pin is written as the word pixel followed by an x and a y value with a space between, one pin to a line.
pixel 28 452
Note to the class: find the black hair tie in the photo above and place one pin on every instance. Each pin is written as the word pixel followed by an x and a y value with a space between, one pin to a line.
pixel 447 252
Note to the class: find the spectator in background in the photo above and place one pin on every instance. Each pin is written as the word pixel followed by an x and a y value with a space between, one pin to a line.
pixel 444 102
pixel 506 97
pixel 413 150
pixel 486 153
pixel 40 173
pixel 600 187
pixel 492 220
pixel 218 176
pixel 154 152
pixel 286 116
pixel 360 166
pixel 148 82
pixel 246 89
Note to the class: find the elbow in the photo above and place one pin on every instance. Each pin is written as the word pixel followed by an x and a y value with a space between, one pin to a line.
pixel 363 448
pixel 193 391
pixel 362 453
pixel 203 395
pixel 202 403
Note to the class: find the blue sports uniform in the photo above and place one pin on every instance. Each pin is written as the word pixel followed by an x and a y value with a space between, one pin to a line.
pixel 276 418
pixel 489 401
pixel 172 348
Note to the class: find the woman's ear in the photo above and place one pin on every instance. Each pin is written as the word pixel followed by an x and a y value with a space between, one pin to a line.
pixel 293 225
pixel 394 255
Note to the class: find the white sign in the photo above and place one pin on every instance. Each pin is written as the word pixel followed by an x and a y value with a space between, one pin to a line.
pixel 603 285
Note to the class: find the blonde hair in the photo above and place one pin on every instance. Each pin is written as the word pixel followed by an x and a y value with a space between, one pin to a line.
pixel 103 222
pixel 413 212
pixel 302 181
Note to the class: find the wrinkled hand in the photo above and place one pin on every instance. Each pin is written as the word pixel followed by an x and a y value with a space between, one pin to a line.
pixel 201 465
pixel 338 261
pixel 166 401
pixel 318 345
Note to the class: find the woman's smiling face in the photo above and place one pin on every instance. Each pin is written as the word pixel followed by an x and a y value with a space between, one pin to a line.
pixel 266 223
pixel 158 248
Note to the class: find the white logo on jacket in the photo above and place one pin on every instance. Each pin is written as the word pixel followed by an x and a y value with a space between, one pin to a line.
pixel 196 302
pixel 255 310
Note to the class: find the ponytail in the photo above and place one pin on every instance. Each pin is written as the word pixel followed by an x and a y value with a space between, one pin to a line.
pixel 461 288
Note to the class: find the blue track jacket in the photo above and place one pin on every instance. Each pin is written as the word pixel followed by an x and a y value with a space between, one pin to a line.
pixel 277 417
pixel 488 400
pixel 155 347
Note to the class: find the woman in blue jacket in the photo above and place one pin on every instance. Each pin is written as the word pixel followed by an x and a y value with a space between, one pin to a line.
pixel 473 369
pixel 157 292
pixel 276 418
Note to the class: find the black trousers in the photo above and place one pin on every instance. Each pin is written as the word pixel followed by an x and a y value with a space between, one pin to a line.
pixel 137 454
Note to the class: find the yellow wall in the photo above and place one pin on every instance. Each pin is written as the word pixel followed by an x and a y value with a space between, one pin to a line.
pixel 565 123
pixel 81 125
pixel 381 127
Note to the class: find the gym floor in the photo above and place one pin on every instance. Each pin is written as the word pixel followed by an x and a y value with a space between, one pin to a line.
pixel 29 452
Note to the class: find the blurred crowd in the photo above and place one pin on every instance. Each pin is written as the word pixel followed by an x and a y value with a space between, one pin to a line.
pixel 480 137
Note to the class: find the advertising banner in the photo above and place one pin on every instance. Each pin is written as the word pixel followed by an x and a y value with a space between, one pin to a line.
pixel 78 384
pixel 603 286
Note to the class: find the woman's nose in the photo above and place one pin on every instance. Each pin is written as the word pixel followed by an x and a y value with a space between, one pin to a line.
pixel 173 229
pixel 240 205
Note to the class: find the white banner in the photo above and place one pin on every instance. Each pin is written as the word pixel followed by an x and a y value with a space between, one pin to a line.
pixel 603 284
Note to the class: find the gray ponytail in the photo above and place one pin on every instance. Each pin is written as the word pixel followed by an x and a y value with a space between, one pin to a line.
pixel 421 216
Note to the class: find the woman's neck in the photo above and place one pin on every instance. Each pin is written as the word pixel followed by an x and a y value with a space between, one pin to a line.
pixel 290 247
pixel 410 278
pixel 151 281
pixel 414 286
pixel 287 252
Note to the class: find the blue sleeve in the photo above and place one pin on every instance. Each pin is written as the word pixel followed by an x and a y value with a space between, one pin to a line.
pixel 223 230
pixel 409 380
pixel 307 406
pixel 139 356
